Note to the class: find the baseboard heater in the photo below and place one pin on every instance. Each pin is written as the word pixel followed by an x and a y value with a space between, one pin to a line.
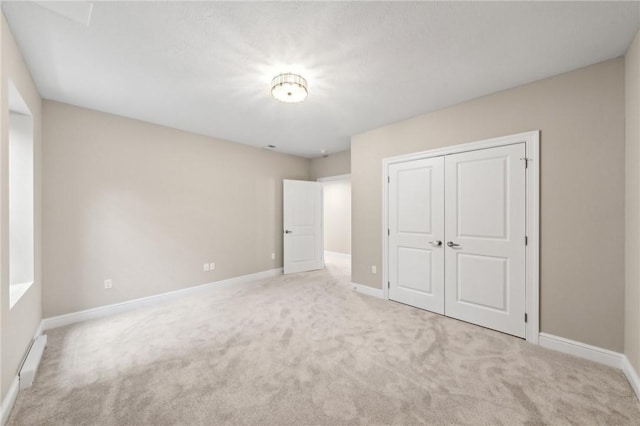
pixel 31 363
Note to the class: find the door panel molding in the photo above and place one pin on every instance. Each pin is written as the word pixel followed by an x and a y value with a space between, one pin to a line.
pixel 532 212
pixel 416 219
pixel 485 190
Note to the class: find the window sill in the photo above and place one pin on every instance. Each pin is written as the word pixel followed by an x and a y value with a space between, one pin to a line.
pixel 16 291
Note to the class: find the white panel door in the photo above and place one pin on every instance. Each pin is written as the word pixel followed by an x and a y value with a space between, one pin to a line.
pixel 302 223
pixel 416 233
pixel 485 234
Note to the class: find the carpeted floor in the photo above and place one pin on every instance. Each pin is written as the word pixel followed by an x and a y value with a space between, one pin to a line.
pixel 306 349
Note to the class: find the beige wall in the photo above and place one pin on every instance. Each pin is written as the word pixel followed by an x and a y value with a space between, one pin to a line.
pixel 337 216
pixel 17 325
pixel 581 118
pixel 332 165
pixel 146 206
pixel 632 205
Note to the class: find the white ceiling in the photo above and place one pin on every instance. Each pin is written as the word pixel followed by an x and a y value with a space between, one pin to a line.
pixel 206 67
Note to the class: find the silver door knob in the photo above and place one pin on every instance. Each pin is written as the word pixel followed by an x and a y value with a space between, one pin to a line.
pixel 436 243
pixel 288 232
pixel 452 244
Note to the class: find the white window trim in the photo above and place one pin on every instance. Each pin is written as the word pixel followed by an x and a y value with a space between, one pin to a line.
pixel 16 291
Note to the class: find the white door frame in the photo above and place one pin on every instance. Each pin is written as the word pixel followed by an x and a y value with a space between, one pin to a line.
pixel 532 277
pixel 334 178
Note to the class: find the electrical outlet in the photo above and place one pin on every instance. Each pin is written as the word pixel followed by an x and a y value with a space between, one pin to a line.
pixel 108 284
pixel 205 267
pixel 273 256
pixel 212 266
pixel 373 269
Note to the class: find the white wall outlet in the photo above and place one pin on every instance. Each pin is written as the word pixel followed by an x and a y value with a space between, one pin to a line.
pixel 212 266
pixel 273 256
pixel 374 270
pixel 108 283
pixel 205 267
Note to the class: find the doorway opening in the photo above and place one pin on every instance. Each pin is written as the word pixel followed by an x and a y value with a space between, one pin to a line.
pixel 337 224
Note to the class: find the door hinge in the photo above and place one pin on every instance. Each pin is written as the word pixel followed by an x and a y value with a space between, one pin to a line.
pixel 526 162
pixel 525 317
pixel 388 284
pixel 388 179
pixel 388 231
pixel 526 240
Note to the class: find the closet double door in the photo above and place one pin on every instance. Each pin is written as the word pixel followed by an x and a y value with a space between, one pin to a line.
pixel 456 236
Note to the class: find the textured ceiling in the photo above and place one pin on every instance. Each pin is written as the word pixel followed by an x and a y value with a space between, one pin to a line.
pixel 206 67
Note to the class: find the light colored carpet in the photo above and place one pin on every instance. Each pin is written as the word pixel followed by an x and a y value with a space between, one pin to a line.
pixel 306 349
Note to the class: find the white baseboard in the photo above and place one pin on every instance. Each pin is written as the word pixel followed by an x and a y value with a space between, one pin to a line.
pixel 593 353
pixel 632 376
pixel 32 362
pixel 103 311
pixel 581 350
pixel 9 400
pixel 337 254
pixel 365 289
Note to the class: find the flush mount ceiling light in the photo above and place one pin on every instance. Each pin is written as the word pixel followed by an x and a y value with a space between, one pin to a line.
pixel 290 88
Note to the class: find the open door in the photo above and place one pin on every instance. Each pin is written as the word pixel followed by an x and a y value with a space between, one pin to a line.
pixel 302 226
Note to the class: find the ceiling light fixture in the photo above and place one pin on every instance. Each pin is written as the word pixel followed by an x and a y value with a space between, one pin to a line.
pixel 290 88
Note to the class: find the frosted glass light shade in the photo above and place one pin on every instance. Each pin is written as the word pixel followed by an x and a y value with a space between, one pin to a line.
pixel 289 88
